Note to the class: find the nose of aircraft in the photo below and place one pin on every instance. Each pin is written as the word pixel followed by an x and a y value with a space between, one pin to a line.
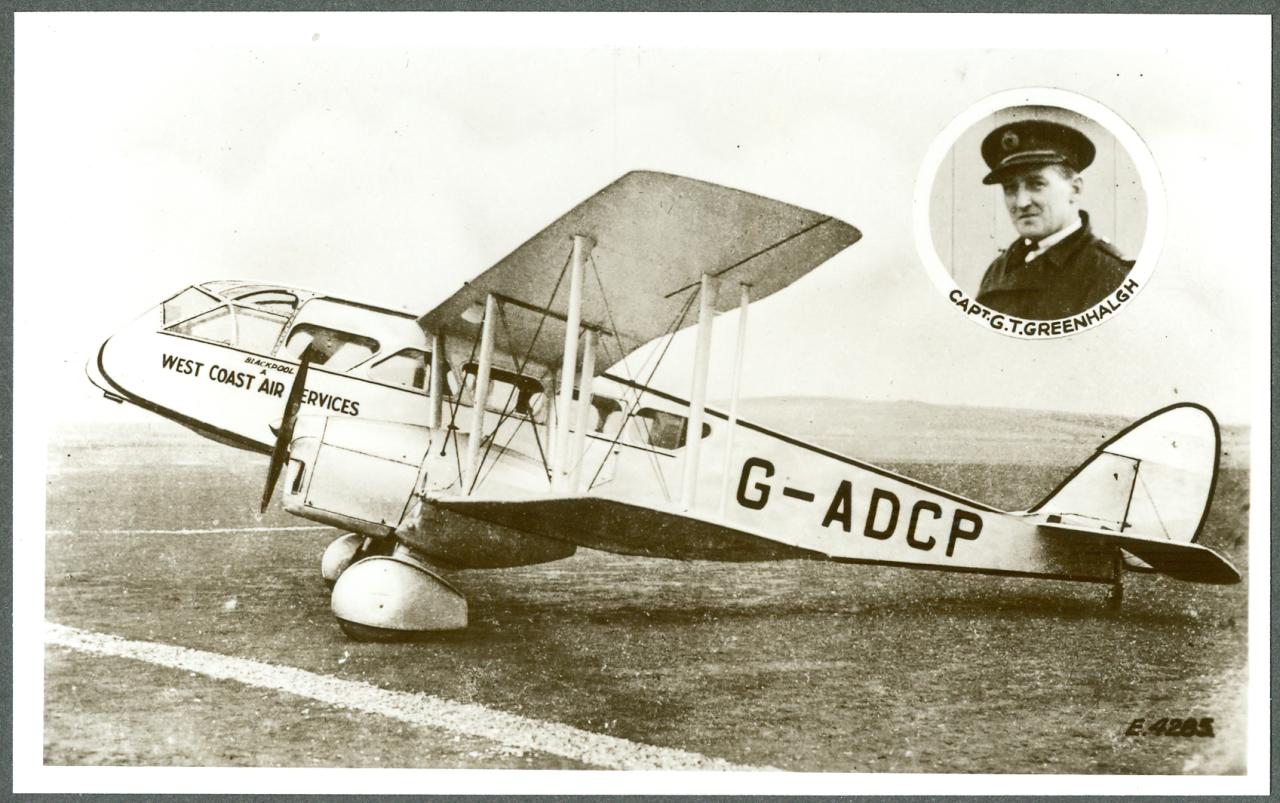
pixel 113 367
pixel 167 364
pixel 97 376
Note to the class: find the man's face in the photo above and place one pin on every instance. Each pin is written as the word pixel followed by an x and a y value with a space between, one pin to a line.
pixel 1041 200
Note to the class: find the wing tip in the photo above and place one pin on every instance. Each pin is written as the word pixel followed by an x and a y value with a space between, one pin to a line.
pixel 850 233
pixel 853 234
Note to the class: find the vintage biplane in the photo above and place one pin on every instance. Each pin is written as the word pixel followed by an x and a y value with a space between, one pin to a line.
pixel 483 434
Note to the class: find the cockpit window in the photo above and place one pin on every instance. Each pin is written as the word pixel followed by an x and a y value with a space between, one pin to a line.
pixel 663 429
pixel 336 350
pixel 246 328
pixel 278 301
pixel 186 304
pixel 215 326
pixel 257 331
pixel 221 286
pixel 410 368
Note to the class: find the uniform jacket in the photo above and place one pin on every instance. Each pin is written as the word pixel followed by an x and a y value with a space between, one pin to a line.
pixel 1066 280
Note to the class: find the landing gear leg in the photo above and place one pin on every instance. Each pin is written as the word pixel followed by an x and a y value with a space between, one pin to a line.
pixel 1116 595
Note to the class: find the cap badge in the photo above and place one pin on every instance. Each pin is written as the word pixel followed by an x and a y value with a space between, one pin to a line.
pixel 1009 141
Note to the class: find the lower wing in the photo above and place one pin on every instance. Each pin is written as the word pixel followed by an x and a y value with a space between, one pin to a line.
pixel 612 525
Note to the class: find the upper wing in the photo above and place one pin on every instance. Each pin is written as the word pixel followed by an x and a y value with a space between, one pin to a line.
pixel 655 235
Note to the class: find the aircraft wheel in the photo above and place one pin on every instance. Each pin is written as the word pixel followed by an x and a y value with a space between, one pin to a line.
pixel 338 556
pixel 346 550
pixel 392 598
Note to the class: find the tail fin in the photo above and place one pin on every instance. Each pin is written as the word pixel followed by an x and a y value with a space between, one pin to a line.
pixel 1153 479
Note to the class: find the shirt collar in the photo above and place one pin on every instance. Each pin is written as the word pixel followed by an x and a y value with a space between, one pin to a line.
pixel 1052 239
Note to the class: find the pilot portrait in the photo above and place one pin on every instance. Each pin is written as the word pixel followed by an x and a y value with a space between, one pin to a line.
pixel 1057 266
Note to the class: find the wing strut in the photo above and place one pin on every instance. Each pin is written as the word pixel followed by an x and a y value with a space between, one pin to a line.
pixel 698 402
pixel 437 383
pixel 481 392
pixel 582 417
pixel 732 423
pixel 564 414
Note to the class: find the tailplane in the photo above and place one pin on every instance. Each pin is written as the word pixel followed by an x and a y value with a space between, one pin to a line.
pixel 1183 561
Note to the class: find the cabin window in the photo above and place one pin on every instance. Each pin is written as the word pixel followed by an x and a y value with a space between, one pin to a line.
pixel 613 424
pixel 410 368
pixel 335 350
pixel 538 407
pixel 188 303
pixel 608 414
pixel 663 429
pixel 507 388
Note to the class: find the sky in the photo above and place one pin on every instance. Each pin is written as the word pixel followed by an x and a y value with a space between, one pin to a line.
pixel 390 158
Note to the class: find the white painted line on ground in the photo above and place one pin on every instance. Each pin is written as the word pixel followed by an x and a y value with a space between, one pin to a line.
pixel 209 531
pixel 422 710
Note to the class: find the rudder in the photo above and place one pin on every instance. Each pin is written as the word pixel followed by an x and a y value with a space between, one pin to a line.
pixel 1154 478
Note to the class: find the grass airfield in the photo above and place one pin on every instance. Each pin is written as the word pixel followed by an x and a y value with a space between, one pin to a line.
pixel 798 665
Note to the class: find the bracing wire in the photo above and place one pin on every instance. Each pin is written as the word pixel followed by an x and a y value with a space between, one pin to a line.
pixel 457 404
pixel 507 408
pixel 670 336
pixel 1155 509
pixel 520 365
pixel 653 460
pixel 613 326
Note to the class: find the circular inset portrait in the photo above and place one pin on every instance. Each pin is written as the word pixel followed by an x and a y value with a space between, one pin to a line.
pixel 1037 213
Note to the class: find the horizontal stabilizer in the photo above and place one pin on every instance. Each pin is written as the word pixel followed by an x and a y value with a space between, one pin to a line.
pixel 1184 561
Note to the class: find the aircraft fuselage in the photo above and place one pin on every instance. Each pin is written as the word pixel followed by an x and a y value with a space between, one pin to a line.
pixel 367 443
